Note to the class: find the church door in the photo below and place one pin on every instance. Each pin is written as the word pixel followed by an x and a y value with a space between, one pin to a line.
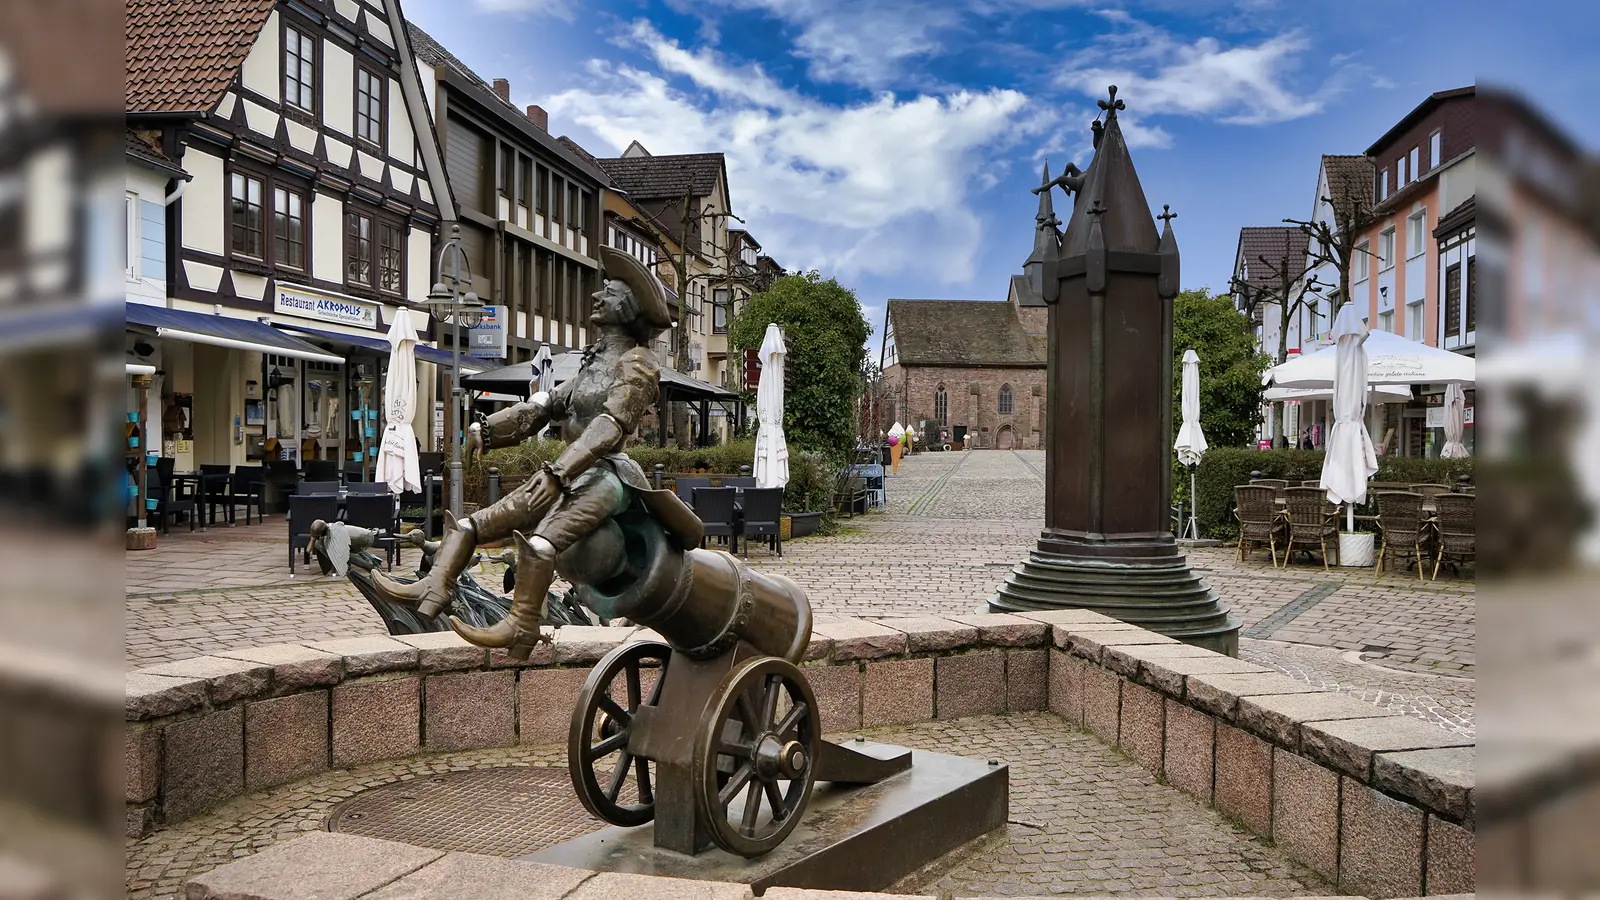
pixel 1005 439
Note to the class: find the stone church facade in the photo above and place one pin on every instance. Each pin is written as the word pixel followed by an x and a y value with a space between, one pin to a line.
pixel 968 367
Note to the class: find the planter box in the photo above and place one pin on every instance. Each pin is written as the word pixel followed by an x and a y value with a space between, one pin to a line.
pixel 141 538
pixel 802 524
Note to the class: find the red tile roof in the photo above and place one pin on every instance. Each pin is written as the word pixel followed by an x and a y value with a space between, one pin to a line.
pixel 181 54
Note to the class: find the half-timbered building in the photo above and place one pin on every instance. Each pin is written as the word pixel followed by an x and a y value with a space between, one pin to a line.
pixel 308 218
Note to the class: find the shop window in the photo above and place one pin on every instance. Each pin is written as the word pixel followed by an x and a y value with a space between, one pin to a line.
pixel 245 205
pixel 1452 301
pixel 358 249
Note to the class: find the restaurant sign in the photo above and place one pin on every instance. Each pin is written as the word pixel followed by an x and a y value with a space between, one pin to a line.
pixel 309 304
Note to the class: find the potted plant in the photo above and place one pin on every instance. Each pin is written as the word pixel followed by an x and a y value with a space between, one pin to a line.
pixel 807 494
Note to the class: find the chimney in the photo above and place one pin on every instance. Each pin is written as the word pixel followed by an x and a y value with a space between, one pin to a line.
pixel 502 89
pixel 539 117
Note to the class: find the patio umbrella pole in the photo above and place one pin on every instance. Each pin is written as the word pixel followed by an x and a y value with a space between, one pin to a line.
pixel 1194 523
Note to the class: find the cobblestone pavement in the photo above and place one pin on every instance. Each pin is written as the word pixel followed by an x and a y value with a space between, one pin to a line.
pixel 1085 820
pixel 955 525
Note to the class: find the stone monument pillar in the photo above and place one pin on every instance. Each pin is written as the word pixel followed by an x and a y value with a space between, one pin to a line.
pixel 1108 543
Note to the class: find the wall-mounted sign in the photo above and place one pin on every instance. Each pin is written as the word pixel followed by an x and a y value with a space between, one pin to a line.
pixel 1436 416
pixel 487 340
pixel 309 304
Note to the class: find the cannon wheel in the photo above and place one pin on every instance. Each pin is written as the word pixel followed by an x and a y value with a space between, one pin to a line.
pixel 759 738
pixel 600 729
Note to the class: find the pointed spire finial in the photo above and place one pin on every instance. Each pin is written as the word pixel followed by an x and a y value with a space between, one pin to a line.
pixel 1111 106
pixel 1167 215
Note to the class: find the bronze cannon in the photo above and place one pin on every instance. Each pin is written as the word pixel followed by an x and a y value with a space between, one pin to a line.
pixel 713 733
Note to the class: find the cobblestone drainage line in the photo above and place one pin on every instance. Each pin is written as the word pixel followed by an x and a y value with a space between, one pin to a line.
pixel 932 493
pixel 1028 465
pixel 1291 610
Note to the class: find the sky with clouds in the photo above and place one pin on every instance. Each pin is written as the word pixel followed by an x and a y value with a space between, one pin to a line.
pixel 893 143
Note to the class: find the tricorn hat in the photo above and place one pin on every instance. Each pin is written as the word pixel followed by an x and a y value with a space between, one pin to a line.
pixel 647 289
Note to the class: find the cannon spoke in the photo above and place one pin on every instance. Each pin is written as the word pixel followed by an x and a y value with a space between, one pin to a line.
pixel 608 746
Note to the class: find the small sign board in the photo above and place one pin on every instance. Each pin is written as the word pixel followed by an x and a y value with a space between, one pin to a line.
pixel 487 339
pixel 308 304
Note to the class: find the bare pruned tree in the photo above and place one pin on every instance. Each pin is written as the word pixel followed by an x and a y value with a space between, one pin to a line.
pixel 1335 240
pixel 1284 281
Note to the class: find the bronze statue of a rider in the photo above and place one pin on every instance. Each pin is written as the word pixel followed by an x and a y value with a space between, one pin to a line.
pixel 598 409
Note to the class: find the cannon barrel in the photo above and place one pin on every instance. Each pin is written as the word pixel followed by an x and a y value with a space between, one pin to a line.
pixel 701 601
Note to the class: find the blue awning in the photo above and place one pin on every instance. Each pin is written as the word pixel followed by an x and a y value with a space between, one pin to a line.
pixel 223 331
pixel 380 344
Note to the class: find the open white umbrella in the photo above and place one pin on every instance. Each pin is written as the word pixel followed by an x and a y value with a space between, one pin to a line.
pixel 397 453
pixel 1391 359
pixel 1191 442
pixel 772 453
pixel 1455 420
pixel 1375 394
pixel 1350 459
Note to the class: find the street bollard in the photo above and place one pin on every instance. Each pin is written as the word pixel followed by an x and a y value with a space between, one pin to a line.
pixel 655 477
pixel 744 471
pixel 494 487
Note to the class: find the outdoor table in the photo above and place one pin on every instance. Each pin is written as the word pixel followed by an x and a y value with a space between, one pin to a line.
pixel 202 481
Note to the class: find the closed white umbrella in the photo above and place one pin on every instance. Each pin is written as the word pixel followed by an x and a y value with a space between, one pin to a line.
pixel 1455 420
pixel 772 453
pixel 543 363
pixel 1350 459
pixel 1191 442
pixel 397 453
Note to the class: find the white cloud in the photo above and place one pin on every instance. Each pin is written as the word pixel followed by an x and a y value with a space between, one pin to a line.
pixel 880 186
pixel 1243 84
pixel 867 43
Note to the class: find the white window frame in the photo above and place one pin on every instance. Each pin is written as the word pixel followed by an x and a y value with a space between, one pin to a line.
pixel 1362 264
pixel 1436 148
pixel 1383 185
pixel 1414 317
pixel 1416 234
pixel 1386 260
pixel 1416 168
pixel 1386 321
pixel 1401 178
pixel 131 245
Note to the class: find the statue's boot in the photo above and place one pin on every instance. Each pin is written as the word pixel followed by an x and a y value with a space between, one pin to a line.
pixel 518 633
pixel 429 594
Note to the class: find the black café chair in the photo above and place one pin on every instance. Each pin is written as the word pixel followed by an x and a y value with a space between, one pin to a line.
pixel 303 510
pixel 353 473
pixel 310 488
pixel 245 488
pixel 744 482
pixel 365 510
pixel 367 487
pixel 321 470
pixel 715 508
pixel 763 512
pixel 685 488
pixel 171 499
pixel 214 489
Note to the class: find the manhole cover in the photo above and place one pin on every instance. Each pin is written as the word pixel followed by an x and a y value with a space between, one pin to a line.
pixel 509 811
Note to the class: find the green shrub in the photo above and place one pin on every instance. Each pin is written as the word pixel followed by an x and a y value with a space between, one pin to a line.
pixel 723 459
pixel 810 485
pixel 1222 468
pixel 516 462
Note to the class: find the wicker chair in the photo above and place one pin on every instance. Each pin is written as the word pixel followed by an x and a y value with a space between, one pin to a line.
pixel 1400 520
pixel 1258 518
pixel 1313 523
pixel 1429 491
pixel 1275 483
pixel 1457 528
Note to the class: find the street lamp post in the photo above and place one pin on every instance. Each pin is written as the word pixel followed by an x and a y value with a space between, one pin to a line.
pixel 460 306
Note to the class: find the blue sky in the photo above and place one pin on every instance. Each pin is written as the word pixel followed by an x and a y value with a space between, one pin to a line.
pixel 893 143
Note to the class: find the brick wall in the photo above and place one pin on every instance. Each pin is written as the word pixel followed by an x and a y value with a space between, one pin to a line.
pixel 974 401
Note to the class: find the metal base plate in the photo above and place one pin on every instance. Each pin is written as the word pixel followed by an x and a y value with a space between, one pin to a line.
pixel 504 811
pixel 851 838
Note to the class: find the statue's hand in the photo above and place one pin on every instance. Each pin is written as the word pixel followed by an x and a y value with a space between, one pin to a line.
pixel 544 492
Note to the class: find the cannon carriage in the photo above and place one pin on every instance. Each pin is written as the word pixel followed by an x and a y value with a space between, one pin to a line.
pixel 713 733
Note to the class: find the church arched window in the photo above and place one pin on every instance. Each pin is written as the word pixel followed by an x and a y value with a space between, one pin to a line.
pixel 941 405
pixel 1005 399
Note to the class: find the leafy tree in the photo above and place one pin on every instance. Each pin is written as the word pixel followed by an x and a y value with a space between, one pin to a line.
pixel 826 336
pixel 1230 366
